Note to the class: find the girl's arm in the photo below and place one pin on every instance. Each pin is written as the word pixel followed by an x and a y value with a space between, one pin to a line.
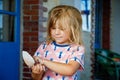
pixel 61 68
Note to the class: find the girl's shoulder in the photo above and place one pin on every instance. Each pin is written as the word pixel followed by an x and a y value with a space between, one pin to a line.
pixel 45 43
pixel 77 47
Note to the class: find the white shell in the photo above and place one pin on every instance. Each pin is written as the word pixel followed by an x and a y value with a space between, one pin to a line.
pixel 28 59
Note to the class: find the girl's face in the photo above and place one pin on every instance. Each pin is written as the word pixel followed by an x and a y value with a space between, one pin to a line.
pixel 60 35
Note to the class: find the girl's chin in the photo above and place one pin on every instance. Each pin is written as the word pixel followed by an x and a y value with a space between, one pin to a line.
pixel 58 42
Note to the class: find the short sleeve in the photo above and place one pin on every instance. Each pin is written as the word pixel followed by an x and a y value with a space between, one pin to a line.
pixel 78 55
pixel 39 52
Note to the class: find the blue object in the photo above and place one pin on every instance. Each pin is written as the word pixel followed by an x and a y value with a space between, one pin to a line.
pixel 10 51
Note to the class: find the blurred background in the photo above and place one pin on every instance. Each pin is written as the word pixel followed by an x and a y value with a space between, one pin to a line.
pixel 23 27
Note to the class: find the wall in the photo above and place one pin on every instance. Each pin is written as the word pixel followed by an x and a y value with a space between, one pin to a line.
pixel 106 11
pixel 32 21
pixel 86 74
pixel 115 26
pixel 21 41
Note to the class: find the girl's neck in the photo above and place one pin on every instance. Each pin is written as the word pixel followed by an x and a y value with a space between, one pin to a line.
pixel 61 45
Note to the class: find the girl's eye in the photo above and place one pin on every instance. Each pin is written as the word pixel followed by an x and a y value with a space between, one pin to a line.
pixel 53 28
pixel 63 29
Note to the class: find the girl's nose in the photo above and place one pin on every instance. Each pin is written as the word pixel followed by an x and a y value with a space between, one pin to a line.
pixel 57 31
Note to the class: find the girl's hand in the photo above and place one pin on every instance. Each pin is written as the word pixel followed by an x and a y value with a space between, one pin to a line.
pixel 37 68
pixel 37 71
pixel 38 59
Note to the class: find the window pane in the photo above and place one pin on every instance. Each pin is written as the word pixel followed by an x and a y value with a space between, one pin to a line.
pixel 8 5
pixel 86 16
pixel 6 28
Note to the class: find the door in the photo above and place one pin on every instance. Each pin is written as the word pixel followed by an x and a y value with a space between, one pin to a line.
pixel 9 39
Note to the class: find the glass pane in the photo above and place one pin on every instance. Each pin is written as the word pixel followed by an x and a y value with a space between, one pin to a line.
pixel 6 28
pixel 86 16
pixel 8 5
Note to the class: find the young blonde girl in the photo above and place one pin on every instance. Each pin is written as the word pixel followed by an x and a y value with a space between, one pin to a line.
pixel 62 54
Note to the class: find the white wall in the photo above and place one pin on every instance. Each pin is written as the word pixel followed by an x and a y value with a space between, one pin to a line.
pixel 115 26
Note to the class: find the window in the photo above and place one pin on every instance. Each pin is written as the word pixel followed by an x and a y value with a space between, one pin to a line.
pixel 1 31
pixel 84 7
pixel 7 19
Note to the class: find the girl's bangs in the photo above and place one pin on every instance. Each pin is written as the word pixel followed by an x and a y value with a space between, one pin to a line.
pixel 63 22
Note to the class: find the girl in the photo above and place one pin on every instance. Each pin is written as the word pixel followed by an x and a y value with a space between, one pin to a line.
pixel 62 54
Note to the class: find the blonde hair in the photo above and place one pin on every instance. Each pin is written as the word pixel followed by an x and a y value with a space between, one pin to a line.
pixel 68 17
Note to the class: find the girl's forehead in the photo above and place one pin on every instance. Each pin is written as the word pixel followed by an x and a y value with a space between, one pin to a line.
pixel 60 24
pixel 57 24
